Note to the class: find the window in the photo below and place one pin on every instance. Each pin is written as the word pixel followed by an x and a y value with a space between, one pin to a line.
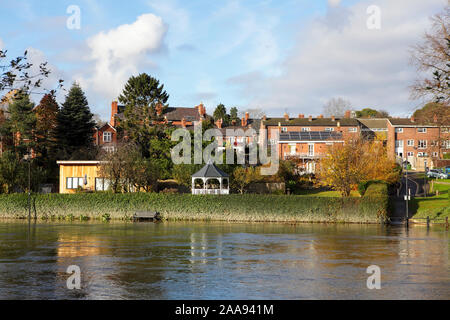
pixel 399 130
pixel 107 136
pixel 435 154
pixel 283 129
pixel 329 129
pixel 422 144
pixel 352 129
pixel 444 130
pixel 447 144
pixel 410 154
pixel 109 149
pixel 74 183
pixel 399 143
pixel 422 130
pixel 101 184
pixel 306 129
pixel 410 143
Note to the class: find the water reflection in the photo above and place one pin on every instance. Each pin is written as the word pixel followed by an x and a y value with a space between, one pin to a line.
pixel 221 261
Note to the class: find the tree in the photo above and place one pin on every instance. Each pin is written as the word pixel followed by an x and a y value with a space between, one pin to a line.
pixel 372 113
pixel 21 124
pixel 243 177
pixel 141 96
pixel 356 160
pixel 19 75
pixel 75 123
pixel 221 113
pixel 234 114
pixel 432 59
pixel 336 107
pixel 46 122
pixel 433 111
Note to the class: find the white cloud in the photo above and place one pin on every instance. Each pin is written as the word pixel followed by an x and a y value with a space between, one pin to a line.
pixel 334 3
pixel 1 44
pixel 369 67
pixel 121 52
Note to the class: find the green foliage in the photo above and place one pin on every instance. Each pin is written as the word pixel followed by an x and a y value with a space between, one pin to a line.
pixel 372 113
pixel 75 125
pixel 364 185
pixel 234 114
pixel 221 113
pixel 247 207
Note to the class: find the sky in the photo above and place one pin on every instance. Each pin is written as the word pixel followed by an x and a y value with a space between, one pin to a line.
pixel 276 55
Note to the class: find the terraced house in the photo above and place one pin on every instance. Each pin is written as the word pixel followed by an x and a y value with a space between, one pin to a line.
pixel 308 139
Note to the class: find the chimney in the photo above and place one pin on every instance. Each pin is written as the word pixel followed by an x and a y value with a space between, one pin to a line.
pixel 264 118
pixel 114 111
pixel 233 122
pixel 413 119
pixel 183 122
pixel 310 118
pixel 286 116
pixel 159 109
pixel 219 123
pixel 301 116
pixel 201 110
pixel 247 116
pixel 435 118
pixel 333 118
pixel 348 114
pixel 243 122
pixel 321 116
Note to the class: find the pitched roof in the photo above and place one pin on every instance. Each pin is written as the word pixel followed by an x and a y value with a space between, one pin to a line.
pixel 374 123
pixel 210 171
pixel 408 122
pixel 310 136
pixel 314 122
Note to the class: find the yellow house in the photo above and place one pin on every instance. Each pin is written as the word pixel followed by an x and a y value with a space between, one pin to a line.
pixel 80 174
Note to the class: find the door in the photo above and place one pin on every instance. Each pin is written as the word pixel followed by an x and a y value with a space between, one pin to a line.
pixel 311 149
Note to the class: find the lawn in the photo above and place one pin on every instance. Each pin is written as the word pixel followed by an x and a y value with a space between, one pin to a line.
pixel 435 206
pixel 323 193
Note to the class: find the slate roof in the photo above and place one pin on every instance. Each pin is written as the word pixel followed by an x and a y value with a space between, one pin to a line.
pixel 178 113
pixel 408 122
pixel 345 122
pixel 310 136
pixel 210 171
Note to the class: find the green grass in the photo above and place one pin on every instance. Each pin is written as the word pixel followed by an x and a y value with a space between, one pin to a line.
pixel 247 207
pixel 433 206
pixel 320 193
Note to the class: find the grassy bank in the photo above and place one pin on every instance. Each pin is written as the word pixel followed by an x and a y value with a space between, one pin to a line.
pixel 248 207
pixel 433 206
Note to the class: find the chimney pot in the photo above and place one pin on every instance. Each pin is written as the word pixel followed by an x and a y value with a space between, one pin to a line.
pixel 321 116
pixel 333 118
pixel 114 111
pixel 413 119
pixel 310 118
pixel 264 118
pixel 286 117
pixel 435 118
pixel 301 116
pixel 183 123
pixel 247 116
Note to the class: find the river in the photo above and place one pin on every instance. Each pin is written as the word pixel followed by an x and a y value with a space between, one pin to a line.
pixel 186 260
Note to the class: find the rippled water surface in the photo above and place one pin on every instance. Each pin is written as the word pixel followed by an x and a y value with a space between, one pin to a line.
pixel 178 260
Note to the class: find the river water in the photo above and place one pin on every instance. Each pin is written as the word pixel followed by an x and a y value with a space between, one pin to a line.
pixel 179 260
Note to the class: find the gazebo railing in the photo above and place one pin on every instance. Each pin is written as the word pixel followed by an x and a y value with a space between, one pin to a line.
pixel 210 191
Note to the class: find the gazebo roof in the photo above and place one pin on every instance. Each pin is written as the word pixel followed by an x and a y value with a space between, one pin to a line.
pixel 210 171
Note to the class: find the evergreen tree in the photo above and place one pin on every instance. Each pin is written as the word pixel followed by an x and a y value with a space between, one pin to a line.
pixel 21 124
pixel 141 96
pixel 221 113
pixel 234 114
pixel 75 124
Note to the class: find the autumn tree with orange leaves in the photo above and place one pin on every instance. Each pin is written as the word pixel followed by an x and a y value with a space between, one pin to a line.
pixel 355 161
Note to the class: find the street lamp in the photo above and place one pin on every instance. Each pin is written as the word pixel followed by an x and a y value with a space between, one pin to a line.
pixel 27 157
pixel 407 191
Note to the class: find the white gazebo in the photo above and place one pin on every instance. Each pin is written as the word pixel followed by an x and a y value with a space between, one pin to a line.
pixel 210 180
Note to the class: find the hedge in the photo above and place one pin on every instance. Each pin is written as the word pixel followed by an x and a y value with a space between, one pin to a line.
pixel 247 207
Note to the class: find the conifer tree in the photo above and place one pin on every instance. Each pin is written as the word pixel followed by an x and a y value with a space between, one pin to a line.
pixel 75 123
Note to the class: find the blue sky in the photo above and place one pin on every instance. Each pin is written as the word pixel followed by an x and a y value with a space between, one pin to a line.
pixel 279 56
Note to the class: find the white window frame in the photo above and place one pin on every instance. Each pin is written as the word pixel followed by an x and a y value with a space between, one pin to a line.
pixel 422 144
pixel 107 136
pixel 410 143
pixel 422 130
pixel 352 129
pixel 410 154
pixel 435 154
pixel 284 129
pixel 306 129
pixel 101 184
pixel 399 130
pixel 329 129
pixel 399 143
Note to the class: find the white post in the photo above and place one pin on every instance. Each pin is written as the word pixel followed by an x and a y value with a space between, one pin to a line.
pixel 220 189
